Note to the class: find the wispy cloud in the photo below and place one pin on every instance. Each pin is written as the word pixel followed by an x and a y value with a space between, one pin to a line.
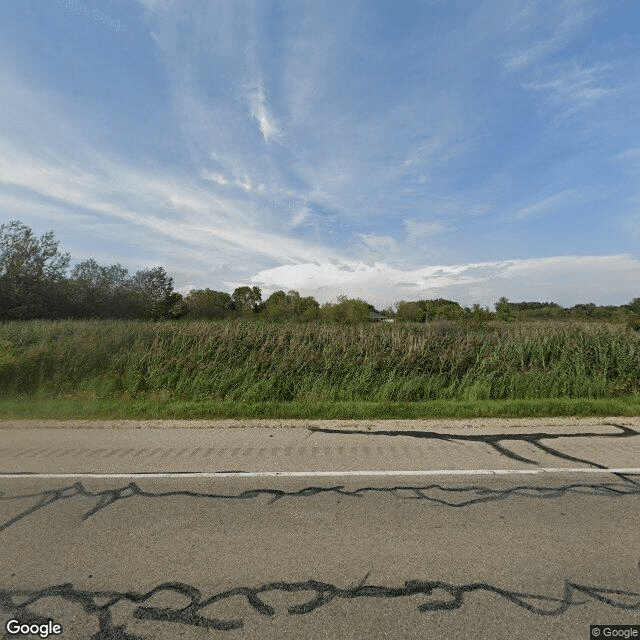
pixel 438 149
pixel 424 228
pixel 633 225
pixel 143 200
pixel 218 178
pixel 573 86
pixel 300 217
pixel 266 122
pixel 562 21
pixel 243 183
pixel 377 243
pixel 157 5
pixel 630 159
pixel 570 85
pixel 291 140
pixel 543 206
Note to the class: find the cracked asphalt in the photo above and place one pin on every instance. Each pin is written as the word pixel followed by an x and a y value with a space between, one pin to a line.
pixel 440 555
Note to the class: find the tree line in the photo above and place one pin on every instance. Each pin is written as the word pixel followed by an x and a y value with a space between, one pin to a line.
pixel 35 283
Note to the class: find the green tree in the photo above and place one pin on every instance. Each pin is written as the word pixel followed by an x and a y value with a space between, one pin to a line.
pixel 155 289
pixel 207 303
pixel 503 309
pixel 104 291
pixel 23 255
pixel 32 273
pixel 346 310
pixel 634 305
pixel 246 299
pixel 307 307
pixel 277 306
pixel 583 310
pixel 441 309
pixel 175 306
pixel 291 305
pixel 355 310
pixel 410 312
pixel 478 315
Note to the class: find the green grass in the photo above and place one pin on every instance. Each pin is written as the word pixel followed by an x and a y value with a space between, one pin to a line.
pixel 251 369
pixel 78 408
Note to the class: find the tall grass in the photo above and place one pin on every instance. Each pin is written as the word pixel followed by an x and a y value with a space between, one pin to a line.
pixel 284 362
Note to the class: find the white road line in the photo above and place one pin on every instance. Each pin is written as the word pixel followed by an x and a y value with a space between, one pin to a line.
pixel 319 474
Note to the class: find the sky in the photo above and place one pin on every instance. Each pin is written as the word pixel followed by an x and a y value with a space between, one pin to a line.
pixel 460 149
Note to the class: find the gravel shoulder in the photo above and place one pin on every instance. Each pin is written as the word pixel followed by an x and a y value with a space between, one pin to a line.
pixel 323 424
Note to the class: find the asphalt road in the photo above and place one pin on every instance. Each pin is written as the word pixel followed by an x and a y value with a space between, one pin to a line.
pixel 500 531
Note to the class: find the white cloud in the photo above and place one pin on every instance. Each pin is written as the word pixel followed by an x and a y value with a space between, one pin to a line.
pixel 432 154
pixel 259 111
pixel 186 289
pixel 157 5
pixel 343 159
pixel 377 243
pixel 633 225
pixel 426 152
pixel 166 214
pixel 14 207
pixel 315 49
pixel 243 183
pixel 215 177
pixel 200 218
pixel 564 20
pixel 372 281
pixel 338 154
pixel 423 228
pixel 630 158
pixel 299 218
pixel 477 209
pixel 543 206
pixel 566 280
pixel 572 86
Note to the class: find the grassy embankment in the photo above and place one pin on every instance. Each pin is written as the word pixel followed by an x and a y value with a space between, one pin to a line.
pixel 122 369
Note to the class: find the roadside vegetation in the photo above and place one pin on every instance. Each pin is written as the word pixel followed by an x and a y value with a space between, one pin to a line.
pixel 100 342
pixel 173 368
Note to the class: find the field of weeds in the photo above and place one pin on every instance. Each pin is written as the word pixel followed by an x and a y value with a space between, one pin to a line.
pixel 252 362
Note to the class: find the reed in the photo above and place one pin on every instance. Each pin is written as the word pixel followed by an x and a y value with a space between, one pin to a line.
pixel 253 362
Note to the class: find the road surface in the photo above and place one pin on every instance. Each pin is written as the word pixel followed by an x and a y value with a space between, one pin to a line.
pixel 342 529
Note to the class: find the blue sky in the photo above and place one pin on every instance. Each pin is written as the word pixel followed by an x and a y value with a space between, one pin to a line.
pixel 385 150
